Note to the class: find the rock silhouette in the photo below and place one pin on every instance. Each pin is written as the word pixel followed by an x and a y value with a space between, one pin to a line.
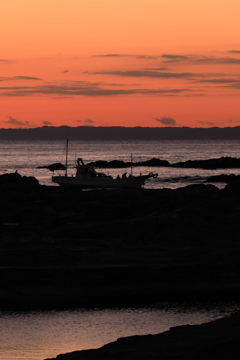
pixel 121 164
pixel 210 164
pixel 53 167
pixel 225 178
pixel 65 247
pixel 15 178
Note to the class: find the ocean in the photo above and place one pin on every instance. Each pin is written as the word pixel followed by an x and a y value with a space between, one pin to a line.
pixel 40 335
pixel 25 156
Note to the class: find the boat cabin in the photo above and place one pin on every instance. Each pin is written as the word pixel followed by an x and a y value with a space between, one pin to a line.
pixel 87 171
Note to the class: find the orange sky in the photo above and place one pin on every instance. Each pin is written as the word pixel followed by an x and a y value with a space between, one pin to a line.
pixel 119 62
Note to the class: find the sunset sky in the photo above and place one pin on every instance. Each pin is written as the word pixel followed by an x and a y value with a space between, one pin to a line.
pixel 119 63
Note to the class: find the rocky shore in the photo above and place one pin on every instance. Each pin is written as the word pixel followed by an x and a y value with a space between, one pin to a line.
pixel 65 248
pixel 215 340
pixel 70 248
pixel 226 162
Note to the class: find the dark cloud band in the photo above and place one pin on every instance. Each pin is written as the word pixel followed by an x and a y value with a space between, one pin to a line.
pixel 150 74
pixel 83 89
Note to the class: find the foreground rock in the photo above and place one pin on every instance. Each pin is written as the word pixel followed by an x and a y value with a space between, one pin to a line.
pixel 224 178
pixel 214 340
pixel 70 248
pixel 17 179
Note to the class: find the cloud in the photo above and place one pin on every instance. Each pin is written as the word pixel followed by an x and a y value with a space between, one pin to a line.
pixel 25 78
pixel 82 89
pixel 28 124
pixel 225 82
pixel 172 58
pixel 47 122
pixel 234 85
pixel 5 61
pixel 230 121
pixel 14 121
pixel 214 60
pixel 19 78
pixel 157 69
pixel 220 81
pixel 146 57
pixel 166 121
pixel 108 55
pixel 210 123
pixel 87 122
pixel 207 123
pixel 150 74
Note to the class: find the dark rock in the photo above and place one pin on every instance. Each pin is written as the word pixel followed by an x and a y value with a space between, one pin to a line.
pixel 12 178
pixel 223 178
pixel 221 163
pixel 109 164
pixel 65 248
pixel 29 180
pixel 210 164
pixel 121 164
pixel 233 188
pixel 15 178
pixel 53 167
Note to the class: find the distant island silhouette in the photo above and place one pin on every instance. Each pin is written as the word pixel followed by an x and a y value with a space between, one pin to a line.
pixel 120 133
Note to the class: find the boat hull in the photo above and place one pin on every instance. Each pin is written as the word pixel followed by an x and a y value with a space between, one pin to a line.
pixel 130 182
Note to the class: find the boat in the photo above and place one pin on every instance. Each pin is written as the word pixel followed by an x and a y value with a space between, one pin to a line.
pixel 87 177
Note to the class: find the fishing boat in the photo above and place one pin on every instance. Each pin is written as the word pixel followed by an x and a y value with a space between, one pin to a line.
pixel 87 177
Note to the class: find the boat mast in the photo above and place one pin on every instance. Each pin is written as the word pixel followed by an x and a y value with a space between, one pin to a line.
pixel 66 156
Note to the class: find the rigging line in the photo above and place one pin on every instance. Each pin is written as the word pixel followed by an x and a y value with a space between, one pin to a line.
pixel 63 153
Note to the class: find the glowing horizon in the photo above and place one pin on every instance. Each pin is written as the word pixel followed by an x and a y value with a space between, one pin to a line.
pixel 119 63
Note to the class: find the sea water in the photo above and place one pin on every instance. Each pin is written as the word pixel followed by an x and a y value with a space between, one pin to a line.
pixel 40 335
pixel 27 156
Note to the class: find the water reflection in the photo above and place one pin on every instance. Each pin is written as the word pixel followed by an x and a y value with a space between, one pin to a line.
pixel 27 156
pixel 39 335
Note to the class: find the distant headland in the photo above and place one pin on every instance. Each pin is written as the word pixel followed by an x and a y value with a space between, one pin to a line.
pixel 120 133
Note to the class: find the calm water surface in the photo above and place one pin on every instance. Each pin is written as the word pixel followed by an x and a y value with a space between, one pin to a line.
pixel 26 156
pixel 39 335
